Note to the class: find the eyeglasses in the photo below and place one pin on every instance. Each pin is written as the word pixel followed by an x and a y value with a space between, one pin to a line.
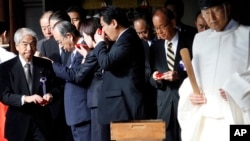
pixel 161 27
pixel 45 28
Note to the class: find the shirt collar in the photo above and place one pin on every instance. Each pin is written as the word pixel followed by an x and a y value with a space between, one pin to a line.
pixel 23 62
pixel 174 40
pixel 121 33
pixel 232 23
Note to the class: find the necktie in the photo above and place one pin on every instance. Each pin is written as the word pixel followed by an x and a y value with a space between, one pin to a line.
pixel 62 55
pixel 170 57
pixel 72 59
pixel 28 75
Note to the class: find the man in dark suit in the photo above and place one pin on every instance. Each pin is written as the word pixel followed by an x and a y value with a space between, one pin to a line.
pixel 144 29
pixel 50 49
pixel 75 97
pixel 27 91
pixel 168 75
pixel 123 65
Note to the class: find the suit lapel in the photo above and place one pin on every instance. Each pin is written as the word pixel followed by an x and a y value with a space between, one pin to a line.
pixel 163 57
pixel 37 74
pixel 180 45
pixel 19 77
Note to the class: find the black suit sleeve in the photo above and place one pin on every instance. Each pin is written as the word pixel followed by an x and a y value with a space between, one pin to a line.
pixel 6 96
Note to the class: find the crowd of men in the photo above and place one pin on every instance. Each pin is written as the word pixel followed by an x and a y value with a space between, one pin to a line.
pixel 89 72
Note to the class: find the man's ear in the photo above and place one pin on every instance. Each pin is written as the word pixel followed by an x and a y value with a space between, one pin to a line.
pixel 114 23
pixel 69 36
pixel 4 33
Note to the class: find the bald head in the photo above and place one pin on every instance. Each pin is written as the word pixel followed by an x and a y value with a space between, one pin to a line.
pixel 141 28
pixel 164 24
pixel 44 23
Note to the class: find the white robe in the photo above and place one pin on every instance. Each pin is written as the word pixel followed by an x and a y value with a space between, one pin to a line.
pixel 5 55
pixel 220 60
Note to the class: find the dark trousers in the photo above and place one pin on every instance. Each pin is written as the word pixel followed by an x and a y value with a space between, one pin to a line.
pixel 95 126
pixel 34 134
pixel 105 132
pixel 81 131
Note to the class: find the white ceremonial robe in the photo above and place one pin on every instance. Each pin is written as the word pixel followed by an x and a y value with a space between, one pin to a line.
pixel 5 55
pixel 220 60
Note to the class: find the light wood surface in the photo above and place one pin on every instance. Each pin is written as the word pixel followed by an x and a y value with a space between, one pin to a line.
pixel 189 68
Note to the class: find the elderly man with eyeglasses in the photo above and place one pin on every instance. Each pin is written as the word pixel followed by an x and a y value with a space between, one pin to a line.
pixel 221 66
pixel 167 69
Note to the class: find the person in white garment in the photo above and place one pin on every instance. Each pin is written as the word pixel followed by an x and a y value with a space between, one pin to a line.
pixel 4 43
pixel 221 65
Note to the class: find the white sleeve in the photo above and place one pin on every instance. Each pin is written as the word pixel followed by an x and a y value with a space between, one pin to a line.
pixel 238 89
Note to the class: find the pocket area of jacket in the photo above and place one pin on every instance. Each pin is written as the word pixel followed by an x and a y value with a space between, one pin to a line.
pixel 113 93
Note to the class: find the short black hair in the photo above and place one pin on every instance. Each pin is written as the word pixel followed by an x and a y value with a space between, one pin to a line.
pixel 110 13
pixel 197 14
pixel 89 26
pixel 60 16
pixel 179 7
pixel 79 10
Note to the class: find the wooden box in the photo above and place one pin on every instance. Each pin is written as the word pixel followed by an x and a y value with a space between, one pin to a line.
pixel 140 130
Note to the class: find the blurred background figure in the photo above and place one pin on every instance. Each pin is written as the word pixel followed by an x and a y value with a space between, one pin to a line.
pixel 177 7
pixel 50 47
pixel 44 24
pixel 4 56
pixel 144 28
pixel 200 23
pixel 76 15
pixel 4 43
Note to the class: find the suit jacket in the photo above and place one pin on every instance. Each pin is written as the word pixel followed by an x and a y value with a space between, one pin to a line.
pixel 147 58
pixel 50 49
pixel 187 29
pixel 20 118
pixel 87 75
pixel 167 92
pixel 150 91
pixel 90 75
pixel 123 78
pixel 75 96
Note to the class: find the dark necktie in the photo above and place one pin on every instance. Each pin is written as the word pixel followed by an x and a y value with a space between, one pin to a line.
pixel 170 57
pixel 72 57
pixel 28 75
pixel 62 55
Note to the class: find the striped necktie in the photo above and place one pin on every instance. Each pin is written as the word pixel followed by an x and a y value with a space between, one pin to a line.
pixel 170 57
pixel 28 75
